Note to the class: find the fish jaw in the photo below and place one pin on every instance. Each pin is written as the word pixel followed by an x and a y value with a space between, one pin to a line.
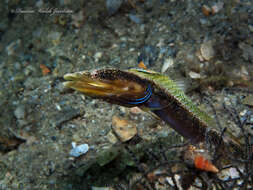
pixel 85 83
pixel 111 85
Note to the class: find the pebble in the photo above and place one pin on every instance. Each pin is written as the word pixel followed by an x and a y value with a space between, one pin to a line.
pixel 136 110
pixel 78 19
pixel 206 10
pixel 207 51
pixel 250 28
pixel 217 7
pixel 79 150
pixel 248 100
pixel 247 51
pixel 64 115
pixel 20 112
pixel 177 180
pixel 135 18
pixel 111 137
pixel 113 6
pixel 123 129
pixel 229 173
pixel 97 56
pixel 10 49
pixel 194 75
pixel 167 63
pixel 39 3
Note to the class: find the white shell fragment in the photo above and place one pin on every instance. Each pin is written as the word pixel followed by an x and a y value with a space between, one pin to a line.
pixel 194 75
pixel 167 63
pixel 229 173
pixel 97 56
pixel 79 150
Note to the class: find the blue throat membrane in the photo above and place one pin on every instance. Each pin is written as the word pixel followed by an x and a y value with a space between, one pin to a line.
pixel 143 99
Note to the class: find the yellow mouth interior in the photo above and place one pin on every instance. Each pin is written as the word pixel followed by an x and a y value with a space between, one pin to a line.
pixel 95 87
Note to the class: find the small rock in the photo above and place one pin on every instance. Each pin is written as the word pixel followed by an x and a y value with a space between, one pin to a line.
pixel 10 49
pixel 79 150
pixel 65 115
pixel 111 137
pixel 207 51
pixel 135 110
pixel 135 18
pixel 78 19
pixel 250 28
pixel 248 100
pixel 229 173
pixel 97 56
pixel 123 129
pixel 199 56
pixel 247 51
pixel 177 180
pixel 20 112
pixel 206 10
pixel 39 3
pixel 217 7
pixel 194 75
pixel 167 63
pixel 113 6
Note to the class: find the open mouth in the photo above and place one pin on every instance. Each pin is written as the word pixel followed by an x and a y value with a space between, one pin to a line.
pixel 83 82
pixel 121 90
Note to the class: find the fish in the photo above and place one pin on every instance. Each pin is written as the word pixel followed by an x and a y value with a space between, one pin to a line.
pixel 158 94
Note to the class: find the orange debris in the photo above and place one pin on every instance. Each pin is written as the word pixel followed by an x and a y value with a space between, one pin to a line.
pixel 206 10
pixel 123 129
pixel 45 70
pixel 203 164
pixel 142 65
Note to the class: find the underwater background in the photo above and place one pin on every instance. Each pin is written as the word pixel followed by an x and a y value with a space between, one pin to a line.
pixel 205 46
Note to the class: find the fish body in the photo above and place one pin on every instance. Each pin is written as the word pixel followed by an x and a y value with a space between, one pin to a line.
pixel 176 108
pixel 154 92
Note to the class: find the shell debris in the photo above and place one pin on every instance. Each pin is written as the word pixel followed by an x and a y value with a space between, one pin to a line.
pixel 79 150
pixel 206 10
pixel 207 51
pixel 167 63
pixel 123 129
pixel 217 7
pixel 194 75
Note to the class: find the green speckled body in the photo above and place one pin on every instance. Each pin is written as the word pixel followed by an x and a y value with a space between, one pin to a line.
pixel 177 109
pixel 171 88
pixel 165 100
pixel 182 114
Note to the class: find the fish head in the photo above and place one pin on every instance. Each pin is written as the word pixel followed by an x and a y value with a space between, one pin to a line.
pixel 112 85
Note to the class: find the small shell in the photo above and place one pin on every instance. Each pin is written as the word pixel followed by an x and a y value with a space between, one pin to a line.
pixel 97 56
pixel 217 7
pixel 79 150
pixel 229 173
pixel 207 51
pixel 194 75
pixel 10 49
pixel 248 100
pixel 203 164
pixel 167 63
pixel 206 10
pixel 113 6
pixel 123 129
